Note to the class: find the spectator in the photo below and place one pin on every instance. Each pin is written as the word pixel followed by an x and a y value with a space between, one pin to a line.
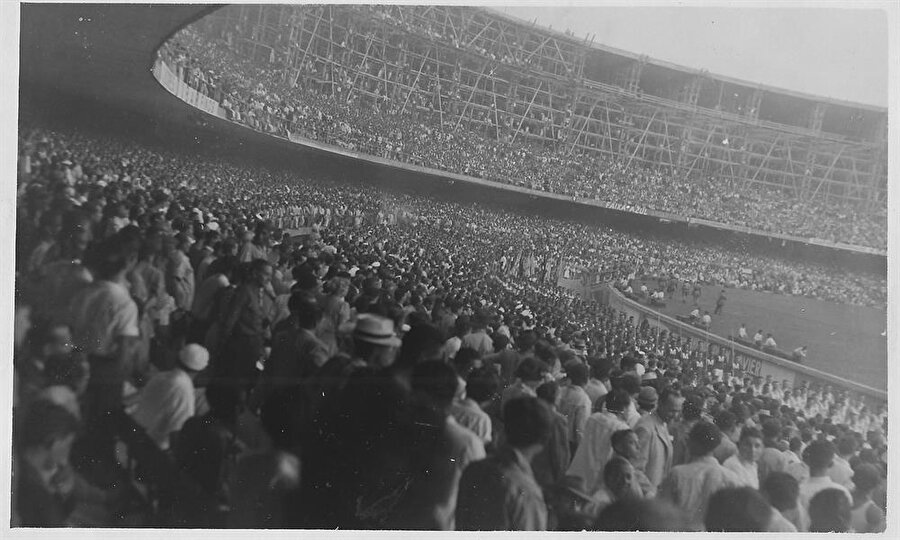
pixel 168 401
pixel 500 493
pixel 783 492
pixel 829 511
pixel 738 509
pixel 865 515
pixel 656 450
pixel 692 485
pixel 819 456
pixel 743 464
pixel 596 446
pixel 574 403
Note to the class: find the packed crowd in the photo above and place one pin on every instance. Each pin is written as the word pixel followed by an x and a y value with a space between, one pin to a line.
pixel 183 359
pixel 331 103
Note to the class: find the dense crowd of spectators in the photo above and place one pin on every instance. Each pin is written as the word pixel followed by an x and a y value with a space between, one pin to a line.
pixel 183 359
pixel 330 102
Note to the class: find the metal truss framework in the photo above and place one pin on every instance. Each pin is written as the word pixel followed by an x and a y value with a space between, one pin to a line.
pixel 474 70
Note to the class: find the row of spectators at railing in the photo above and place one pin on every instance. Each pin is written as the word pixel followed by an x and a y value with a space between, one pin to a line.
pixel 327 104
pixel 178 359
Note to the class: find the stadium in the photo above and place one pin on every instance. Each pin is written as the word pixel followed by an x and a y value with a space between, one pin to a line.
pixel 436 268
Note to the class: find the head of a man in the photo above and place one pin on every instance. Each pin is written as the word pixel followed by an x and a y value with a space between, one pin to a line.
pixel 261 272
pixel 625 443
pixel 819 456
pixel 618 474
pixel 526 423
pixel 750 445
pixel 703 438
pixel 669 405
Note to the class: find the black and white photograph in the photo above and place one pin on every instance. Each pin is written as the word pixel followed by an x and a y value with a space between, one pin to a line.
pixel 583 267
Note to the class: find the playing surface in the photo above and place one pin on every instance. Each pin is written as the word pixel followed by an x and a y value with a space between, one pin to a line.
pixel 843 340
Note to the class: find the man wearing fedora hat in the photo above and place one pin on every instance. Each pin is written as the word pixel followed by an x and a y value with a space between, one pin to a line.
pixel 168 401
pixel 374 340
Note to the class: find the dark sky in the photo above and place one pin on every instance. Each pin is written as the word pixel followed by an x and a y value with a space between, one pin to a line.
pixel 837 53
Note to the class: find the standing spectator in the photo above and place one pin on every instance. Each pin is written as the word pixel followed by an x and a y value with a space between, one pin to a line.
pixel 829 511
pixel 743 465
pixel 207 450
pixel 738 509
pixel 598 384
pixel 574 403
pixel 783 492
pixel 625 444
pixel 500 493
pixel 245 327
pixel 726 421
pixel 690 486
pixel 335 311
pixel 819 456
pixel 436 382
pixel 480 390
pixel 180 274
pixel 866 516
pixel 478 338
pixel 840 472
pixel 529 375
pixel 773 459
pixel 596 446
pixel 258 247
pixel 551 463
pixel 104 322
pixel 168 401
pixel 618 484
pixel 656 450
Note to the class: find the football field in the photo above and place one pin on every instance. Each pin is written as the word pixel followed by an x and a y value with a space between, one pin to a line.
pixel 844 340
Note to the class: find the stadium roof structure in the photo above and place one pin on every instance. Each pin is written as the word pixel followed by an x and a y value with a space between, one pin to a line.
pixel 691 69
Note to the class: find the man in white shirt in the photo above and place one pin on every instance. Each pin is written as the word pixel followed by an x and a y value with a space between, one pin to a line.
pixel 770 342
pixel 742 333
pixel 168 401
pixel 690 486
pixel 574 402
pixel 743 464
pixel 819 456
pixel 596 446
pixel 758 338
pixel 841 472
